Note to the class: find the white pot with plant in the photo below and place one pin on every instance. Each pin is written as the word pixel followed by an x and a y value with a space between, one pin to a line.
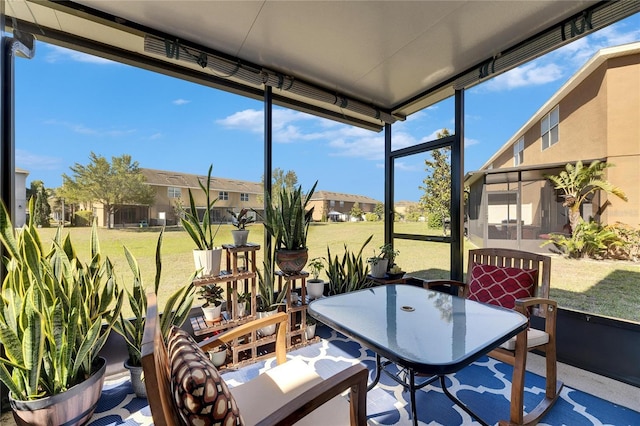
pixel 315 286
pixel 310 331
pixel 240 221
pixel 218 355
pixel 381 262
pixel 206 255
pixel 212 294
pixel 244 304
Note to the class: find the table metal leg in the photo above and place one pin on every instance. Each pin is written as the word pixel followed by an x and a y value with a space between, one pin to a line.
pixel 459 403
pixel 412 396
pixel 376 379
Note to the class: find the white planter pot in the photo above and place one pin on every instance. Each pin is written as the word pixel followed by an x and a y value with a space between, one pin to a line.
pixel 240 236
pixel 212 313
pixel 218 358
pixel 315 289
pixel 270 329
pixel 137 381
pixel 241 309
pixel 379 269
pixel 207 262
pixel 310 332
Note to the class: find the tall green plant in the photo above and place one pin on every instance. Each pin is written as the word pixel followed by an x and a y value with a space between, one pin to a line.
pixel 287 219
pixel 588 240
pixel 349 273
pixel 175 312
pixel 578 183
pixel 267 299
pixel 55 312
pixel 201 233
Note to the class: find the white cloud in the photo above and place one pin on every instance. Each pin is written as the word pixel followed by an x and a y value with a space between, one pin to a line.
pixel 30 161
pixel 180 102
pixel 84 130
pixel 531 74
pixel 57 54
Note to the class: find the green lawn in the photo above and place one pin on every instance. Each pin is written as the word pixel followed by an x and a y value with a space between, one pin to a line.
pixel 601 287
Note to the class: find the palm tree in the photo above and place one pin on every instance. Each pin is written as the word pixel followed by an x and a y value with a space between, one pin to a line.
pixel 578 182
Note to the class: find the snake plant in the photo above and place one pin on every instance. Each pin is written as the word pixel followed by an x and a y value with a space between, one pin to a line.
pixel 55 312
pixel 176 309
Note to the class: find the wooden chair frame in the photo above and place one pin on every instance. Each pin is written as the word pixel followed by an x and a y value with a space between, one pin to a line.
pixel 538 305
pixel 157 376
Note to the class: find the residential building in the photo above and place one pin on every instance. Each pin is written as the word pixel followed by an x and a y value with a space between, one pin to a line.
pixel 172 192
pixel 593 116
pixel 336 206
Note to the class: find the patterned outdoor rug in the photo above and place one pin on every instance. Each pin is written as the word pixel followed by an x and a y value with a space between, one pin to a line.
pixel 484 386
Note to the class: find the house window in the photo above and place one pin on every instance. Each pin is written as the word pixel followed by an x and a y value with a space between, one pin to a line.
pixel 332 203
pixel 244 196
pixel 174 192
pixel 223 196
pixel 341 204
pixel 549 128
pixel 518 152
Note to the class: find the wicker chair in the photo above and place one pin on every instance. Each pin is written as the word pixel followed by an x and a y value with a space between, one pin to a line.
pixel 537 304
pixel 289 393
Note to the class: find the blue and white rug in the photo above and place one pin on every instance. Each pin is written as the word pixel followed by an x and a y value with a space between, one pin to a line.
pixel 484 386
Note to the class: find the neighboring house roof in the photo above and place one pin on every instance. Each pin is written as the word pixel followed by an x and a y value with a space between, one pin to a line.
pixel 587 69
pixel 338 196
pixel 186 180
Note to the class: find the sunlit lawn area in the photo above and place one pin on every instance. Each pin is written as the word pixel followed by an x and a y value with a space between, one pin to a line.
pixel 602 287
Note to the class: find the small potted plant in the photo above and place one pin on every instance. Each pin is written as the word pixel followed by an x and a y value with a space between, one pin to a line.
pixel 212 294
pixel 315 286
pixel 206 256
pixel 310 332
pixel 218 355
pixel 240 221
pixel 267 300
pixel 244 304
pixel 382 261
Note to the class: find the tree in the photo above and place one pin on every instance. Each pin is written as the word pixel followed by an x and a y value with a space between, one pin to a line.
pixel 578 182
pixel 356 211
pixel 112 184
pixel 42 209
pixel 280 180
pixel 437 185
pixel 379 210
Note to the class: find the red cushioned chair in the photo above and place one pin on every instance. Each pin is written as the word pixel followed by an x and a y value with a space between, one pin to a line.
pixel 517 280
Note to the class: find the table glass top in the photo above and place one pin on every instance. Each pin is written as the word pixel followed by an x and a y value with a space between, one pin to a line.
pixel 423 329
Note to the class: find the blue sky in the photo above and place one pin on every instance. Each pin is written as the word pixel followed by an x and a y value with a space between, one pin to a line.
pixel 69 104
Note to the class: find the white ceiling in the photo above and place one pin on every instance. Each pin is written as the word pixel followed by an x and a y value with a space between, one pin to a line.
pixel 384 53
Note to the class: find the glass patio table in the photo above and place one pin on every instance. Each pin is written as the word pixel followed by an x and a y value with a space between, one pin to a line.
pixel 423 332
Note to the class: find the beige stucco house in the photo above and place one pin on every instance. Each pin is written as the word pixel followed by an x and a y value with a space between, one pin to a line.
pixel 594 115
pixel 336 206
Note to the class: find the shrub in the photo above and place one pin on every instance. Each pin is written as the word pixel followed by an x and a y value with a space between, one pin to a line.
pixel 589 239
pixel 630 247
pixel 83 218
pixel 371 217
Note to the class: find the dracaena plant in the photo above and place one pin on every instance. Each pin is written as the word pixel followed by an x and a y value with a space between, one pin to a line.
pixel 176 309
pixel 55 311
pixel 201 233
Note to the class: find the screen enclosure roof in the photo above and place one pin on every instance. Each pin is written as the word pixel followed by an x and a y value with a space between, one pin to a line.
pixel 362 62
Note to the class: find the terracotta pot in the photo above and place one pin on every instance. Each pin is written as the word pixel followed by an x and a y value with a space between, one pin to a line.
pixel 70 408
pixel 291 261
pixel 135 372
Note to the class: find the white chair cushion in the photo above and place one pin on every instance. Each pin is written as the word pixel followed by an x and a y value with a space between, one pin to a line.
pixel 535 337
pixel 274 388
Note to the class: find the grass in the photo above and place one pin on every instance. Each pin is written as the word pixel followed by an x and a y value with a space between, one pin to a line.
pixel 600 287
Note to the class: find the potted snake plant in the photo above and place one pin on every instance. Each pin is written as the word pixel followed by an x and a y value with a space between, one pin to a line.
pixel 56 313
pixel 240 220
pixel 268 300
pixel 287 220
pixel 176 311
pixel 206 255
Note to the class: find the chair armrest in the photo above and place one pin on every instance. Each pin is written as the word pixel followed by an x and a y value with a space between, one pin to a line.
pixel 434 284
pixel 354 378
pixel 280 319
pixel 550 313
